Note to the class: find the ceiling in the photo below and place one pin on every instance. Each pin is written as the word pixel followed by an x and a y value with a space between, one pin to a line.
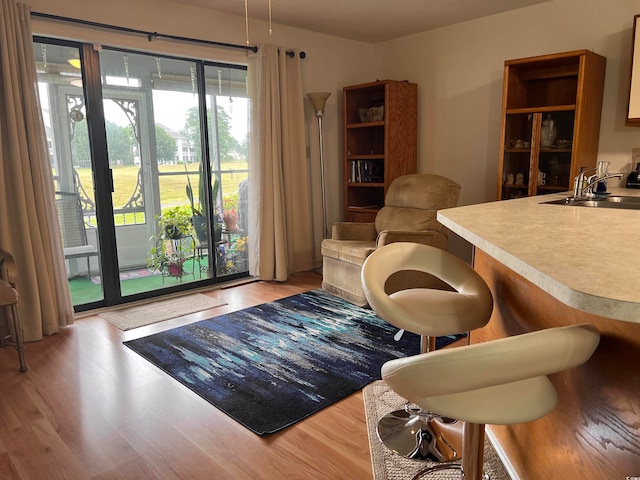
pixel 365 20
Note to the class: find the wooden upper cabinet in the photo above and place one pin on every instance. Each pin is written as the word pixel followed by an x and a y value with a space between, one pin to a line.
pixel 551 108
pixel 380 143
pixel 633 105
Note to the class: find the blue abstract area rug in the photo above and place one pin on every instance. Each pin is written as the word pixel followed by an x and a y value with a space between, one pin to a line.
pixel 274 364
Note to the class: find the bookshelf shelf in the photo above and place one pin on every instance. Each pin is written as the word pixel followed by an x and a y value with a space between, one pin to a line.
pixel 377 152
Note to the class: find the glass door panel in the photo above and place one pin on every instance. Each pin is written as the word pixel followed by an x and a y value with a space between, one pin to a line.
pixel 175 163
pixel 227 120
pixel 61 94
pixel 152 120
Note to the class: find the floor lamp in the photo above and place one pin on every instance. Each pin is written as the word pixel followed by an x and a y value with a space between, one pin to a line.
pixel 318 100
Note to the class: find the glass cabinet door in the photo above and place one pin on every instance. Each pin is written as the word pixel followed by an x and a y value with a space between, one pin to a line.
pixel 518 156
pixel 554 159
pixel 537 153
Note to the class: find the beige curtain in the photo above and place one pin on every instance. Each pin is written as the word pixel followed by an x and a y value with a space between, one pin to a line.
pixel 28 220
pixel 279 194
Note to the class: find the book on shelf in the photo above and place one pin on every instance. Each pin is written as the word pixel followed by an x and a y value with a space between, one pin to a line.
pixel 365 171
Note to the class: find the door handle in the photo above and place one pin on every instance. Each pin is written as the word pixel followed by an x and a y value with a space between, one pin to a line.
pixel 110 177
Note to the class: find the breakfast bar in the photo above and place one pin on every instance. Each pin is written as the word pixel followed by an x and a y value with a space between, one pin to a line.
pixel 550 265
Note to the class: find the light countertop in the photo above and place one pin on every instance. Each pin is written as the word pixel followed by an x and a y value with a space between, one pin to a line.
pixel 588 258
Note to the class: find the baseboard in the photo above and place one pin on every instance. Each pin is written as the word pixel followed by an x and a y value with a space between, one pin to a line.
pixel 503 457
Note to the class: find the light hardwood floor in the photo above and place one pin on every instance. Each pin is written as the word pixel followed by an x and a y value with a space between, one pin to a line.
pixel 89 408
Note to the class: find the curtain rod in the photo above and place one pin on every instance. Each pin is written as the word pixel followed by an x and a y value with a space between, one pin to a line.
pixel 292 54
pixel 150 35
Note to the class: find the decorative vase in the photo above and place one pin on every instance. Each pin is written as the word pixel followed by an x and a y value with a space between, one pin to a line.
pixel 548 132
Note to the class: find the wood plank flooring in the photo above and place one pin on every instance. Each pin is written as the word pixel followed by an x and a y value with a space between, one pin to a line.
pixel 89 408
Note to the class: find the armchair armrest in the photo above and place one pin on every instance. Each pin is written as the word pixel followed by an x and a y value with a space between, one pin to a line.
pixel 7 268
pixel 426 237
pixel 353 231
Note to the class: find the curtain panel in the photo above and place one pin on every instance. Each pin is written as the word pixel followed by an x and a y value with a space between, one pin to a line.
pixel 280 189
pixel 28 220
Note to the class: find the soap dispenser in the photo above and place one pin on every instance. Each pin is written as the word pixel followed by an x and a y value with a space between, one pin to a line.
pixel 633 180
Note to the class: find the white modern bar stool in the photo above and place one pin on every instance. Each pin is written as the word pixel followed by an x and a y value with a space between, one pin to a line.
pixel 497 382
pixel 464 304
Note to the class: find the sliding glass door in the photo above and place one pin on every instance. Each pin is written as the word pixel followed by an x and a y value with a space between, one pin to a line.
pixel 152 150
pixel 64 112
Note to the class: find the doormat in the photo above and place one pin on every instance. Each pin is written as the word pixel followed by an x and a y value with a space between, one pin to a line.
pixel 157 311
pixel 128 275
pixel 274 364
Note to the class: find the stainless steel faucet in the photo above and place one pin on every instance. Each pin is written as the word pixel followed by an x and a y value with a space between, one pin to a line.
pixel 583 185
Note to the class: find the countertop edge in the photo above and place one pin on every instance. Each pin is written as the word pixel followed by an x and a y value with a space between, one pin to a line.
pixel 593 304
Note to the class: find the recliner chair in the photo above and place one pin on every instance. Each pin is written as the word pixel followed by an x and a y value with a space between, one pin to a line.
pixel 409 215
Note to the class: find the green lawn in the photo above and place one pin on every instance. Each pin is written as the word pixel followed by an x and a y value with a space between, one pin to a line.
pixel 172 188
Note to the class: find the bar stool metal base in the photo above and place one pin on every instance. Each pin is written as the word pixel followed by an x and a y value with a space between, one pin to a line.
pixel 421 435
pixel 455 466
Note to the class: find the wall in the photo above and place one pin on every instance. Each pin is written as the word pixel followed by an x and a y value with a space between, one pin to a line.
pixel 460 69
pixel 330 64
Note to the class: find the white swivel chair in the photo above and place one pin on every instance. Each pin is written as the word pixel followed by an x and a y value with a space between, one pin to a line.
pixel 498 382
pixel 461 303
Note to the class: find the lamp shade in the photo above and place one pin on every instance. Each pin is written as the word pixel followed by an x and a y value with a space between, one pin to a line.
pixel 318 100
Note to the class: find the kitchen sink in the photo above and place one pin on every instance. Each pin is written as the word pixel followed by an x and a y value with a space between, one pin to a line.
pixel 614 201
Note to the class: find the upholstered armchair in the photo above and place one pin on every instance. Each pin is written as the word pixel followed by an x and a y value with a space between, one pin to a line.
pixel 409 215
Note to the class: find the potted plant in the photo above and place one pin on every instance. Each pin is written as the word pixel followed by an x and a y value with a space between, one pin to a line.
pixel 230 220
pixel 197 209
pixel 230 217
pixel 168 253
pixel 168 257
pixel 174 223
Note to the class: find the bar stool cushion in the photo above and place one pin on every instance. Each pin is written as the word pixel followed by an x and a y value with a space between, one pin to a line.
pixel 497 382
pixel 427 311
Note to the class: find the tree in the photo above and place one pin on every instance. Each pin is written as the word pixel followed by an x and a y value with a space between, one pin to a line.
pixel 227 144
pixel 191 129
pixel 243 150
pixel 166 146
pixel 119 145
pixel 80 154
